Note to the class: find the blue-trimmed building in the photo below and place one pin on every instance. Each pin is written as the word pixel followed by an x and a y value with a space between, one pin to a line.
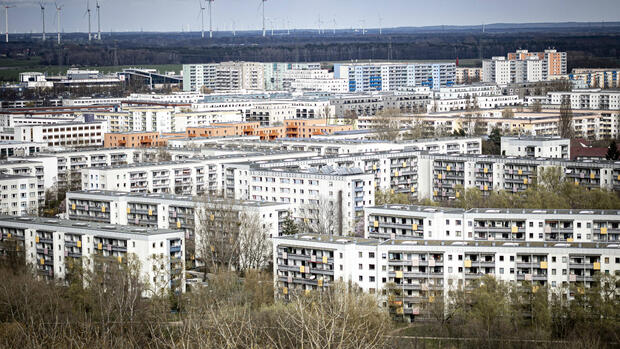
pixel 385 76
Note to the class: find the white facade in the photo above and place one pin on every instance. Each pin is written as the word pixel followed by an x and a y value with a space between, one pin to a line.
pixel 429 269
pixel 587 99
pixel 49 244
pixel 74 134
pixel 532 147
pixel 19 195
pixel 339 193
pixel 365 77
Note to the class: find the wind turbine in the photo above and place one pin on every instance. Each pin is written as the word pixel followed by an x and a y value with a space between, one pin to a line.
pixel 6 19
pixel 233 28
pixel 43 18
pixel 58 9
pixel 263 5
pixel 88 13
pixel 98 20
pixel 334 26
pixel 210 19
pixel 319 23
pixel 380 20
pixel 202 18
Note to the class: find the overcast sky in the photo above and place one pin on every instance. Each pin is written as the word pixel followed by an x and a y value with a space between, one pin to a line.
pixel 171 15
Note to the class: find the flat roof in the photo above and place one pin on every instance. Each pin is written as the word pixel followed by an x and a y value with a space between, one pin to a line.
pixel 78 227
pixel 187 199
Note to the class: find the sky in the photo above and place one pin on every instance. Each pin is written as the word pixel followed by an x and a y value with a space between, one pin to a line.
pixel 172 15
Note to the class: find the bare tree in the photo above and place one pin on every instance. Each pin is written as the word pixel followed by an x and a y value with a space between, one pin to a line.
pixel 322 217
pixel 565 122
pixel 255 244
pixel 217 234
pixel 387 124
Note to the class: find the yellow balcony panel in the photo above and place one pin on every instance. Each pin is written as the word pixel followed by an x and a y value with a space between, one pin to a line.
pixel 543 265
pixel 597 266
pixel 302 269
pixel 467 263
pixel 604 230
pixel 414 227
pixel 376 224
pixel 399 274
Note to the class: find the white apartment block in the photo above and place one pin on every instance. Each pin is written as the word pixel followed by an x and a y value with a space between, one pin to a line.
pixel 16 148
pixel 593 99
pixel 337 194
pixel 42 171
pixel 536 147
pixel 275 73
pixel 19 195
pixel 407 222
pixel 166 211
pixel 428 269
pixel 366 77
pixel 482 102
pixel 439 177
pixel 50 245
pixel 324 85
pixel 224 76
pixel 502 71
pixel 194 176
pixel 63 134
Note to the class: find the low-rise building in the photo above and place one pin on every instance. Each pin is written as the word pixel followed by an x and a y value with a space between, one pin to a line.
pixel 536 147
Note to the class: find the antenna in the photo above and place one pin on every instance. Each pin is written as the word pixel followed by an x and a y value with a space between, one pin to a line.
pixel 88 13
pixel 319 23
pixel 98 21
pixel 210 19
pixel 202 18
pixel 380 29
pixel 43 18
pixel 6 18
pixel 233 28
pixel 263 4
pixel 334 26
pixel 58 9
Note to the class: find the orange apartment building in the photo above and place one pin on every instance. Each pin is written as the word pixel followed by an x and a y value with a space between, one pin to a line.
pixel 554 62
pixel 294 128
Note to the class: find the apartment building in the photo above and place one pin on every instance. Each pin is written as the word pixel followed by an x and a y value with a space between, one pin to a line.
pixel 407 222
pixel 467 75
pixel 61 134
pixel 592 99
pixel 51 245
pixel 326 196
pixel 16 148
pixel 42 169
pixel 224 76
pixel 597 78
pixel 167 211
pixel 536 147
pixel 428 269
pixel 276 73
pixel 440 177
pixel 19 195
pixel 504 71
pixel 191 176
pixel 383 76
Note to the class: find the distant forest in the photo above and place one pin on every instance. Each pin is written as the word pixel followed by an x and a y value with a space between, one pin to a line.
pixel 587 47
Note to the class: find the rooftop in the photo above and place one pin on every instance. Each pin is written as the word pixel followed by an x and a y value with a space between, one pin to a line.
pixel 78 227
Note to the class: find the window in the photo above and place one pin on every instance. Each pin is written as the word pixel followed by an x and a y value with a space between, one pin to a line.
pixel 371 267
pixel 449 270
pixel 372 279
pixel 501 270
pixel 360 254
pixel 361 266
pixel 553 259
pixel 512 270
pixel 449 257
pixel 361 278
pixel 512 258
pixel 553 271
pixel 371 255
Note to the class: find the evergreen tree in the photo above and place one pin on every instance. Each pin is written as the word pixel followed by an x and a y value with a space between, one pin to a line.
pixel 289 227
pixel 612 151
